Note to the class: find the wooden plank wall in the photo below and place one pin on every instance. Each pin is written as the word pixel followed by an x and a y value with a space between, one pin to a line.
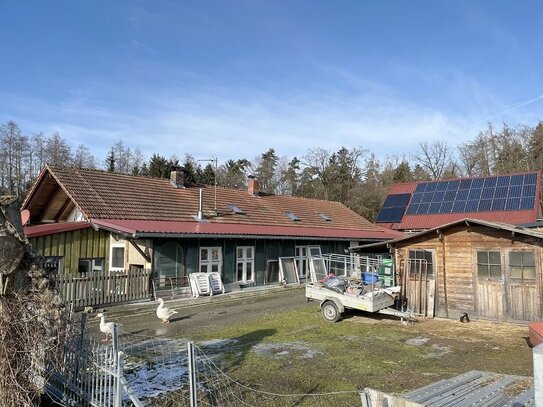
pixel 458 289
pixel 74 245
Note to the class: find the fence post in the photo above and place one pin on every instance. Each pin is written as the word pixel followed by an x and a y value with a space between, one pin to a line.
pixel 538 374
pixel 192 375
pixel 118 378
pixel 117 399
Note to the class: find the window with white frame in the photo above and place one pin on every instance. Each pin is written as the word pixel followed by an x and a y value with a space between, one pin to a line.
pixel 245 263
pixel 116 257
pixel 302 255
pixel 210 259
pixel 91 265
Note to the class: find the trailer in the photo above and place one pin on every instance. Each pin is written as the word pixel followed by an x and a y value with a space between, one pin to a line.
pixel 334 303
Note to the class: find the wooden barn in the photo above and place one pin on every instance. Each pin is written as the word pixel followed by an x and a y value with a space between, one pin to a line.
pixel 488 270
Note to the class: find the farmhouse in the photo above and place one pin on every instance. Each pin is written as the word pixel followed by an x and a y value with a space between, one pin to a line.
pixel 488 270
pixel 86 221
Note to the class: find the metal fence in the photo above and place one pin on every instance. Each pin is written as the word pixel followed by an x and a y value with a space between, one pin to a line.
pixel 91 373
pixel 104 287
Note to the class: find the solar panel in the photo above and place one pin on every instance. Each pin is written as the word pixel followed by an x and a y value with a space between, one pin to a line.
pixel 493 193
pixel 513 204
pixel 393 208
pixel 527 202
pixel 471 205
pixel 503 181
pixel 517 180
pixel 475 193
pixel 530 179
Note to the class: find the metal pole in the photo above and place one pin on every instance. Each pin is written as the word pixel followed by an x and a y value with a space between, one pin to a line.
pixel 118 385
pixel 117 399
pixel 538 374
pixel 192 374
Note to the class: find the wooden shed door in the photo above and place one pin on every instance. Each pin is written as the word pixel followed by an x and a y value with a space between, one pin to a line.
pixel 489 285
pixel 420 284
pixel 523 299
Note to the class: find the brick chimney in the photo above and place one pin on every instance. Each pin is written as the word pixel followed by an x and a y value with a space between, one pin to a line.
pixel 177 178
pixel 253 186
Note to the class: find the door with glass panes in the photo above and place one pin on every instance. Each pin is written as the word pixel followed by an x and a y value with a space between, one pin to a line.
pixel 245 262
pixel 303 253
pixel 210 259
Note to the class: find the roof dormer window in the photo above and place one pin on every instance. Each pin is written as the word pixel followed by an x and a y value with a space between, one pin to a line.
pixel 235 209
pixel 325 217
pixel 292 216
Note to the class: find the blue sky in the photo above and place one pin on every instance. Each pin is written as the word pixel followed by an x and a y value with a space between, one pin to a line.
pixel 229 79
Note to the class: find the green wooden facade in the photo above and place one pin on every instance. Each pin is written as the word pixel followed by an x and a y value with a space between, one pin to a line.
pixel 180 257
pixel 73 246
pixel 176 258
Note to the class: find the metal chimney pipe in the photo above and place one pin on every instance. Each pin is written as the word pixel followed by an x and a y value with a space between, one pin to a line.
pixel 201 205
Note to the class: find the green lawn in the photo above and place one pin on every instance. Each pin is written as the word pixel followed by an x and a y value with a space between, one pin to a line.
pixel 298 352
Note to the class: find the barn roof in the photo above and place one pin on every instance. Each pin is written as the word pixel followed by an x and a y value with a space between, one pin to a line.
pixel 510 198
pixel 433 231
pixel 144 205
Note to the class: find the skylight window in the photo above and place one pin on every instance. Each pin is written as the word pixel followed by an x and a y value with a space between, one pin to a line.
pixel 234 208
pixel 292 216
pixel 325 217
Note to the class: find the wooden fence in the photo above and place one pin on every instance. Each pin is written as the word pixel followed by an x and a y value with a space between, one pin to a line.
pixel 105 287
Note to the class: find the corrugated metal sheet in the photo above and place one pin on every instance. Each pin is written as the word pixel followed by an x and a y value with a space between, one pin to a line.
pixel 477 389
pixel 50 228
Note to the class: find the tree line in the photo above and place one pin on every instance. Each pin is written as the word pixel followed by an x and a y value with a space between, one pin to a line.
pixel 353 176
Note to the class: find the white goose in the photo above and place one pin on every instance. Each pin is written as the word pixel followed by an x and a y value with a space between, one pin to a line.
pixel 164 313
pixel 105 327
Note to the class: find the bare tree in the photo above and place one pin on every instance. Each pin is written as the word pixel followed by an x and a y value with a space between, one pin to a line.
pixel 83 158
pixel 434 157
pixel 57 151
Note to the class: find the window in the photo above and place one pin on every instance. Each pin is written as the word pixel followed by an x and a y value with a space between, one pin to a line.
pixel 210 259
pixel 235 209
pixel 489 264
pixel 90 265
pixel 325 217
pixel 421 264
pixel 116 259
pixel 245 263
pixel 292 216
pixel 302 254
pixel 522 265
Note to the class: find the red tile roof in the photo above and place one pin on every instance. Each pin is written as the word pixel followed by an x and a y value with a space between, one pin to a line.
pixel 156 204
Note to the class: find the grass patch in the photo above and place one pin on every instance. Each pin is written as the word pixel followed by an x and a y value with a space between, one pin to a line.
pixel 297 351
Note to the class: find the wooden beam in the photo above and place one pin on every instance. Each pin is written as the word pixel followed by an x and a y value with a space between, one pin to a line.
pixel 62 208
pixel 144 255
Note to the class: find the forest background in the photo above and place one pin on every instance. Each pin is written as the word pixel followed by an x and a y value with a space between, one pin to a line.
pixel 353 176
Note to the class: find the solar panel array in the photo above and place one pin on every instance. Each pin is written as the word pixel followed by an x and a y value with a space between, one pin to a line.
pixel 497 193
pixel 488 194
pixel 393 209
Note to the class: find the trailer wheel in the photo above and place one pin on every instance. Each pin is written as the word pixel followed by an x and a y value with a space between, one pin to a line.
pixel 330 312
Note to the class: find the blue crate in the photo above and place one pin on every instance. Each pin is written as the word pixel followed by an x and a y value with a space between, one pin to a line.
pixel 369 278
